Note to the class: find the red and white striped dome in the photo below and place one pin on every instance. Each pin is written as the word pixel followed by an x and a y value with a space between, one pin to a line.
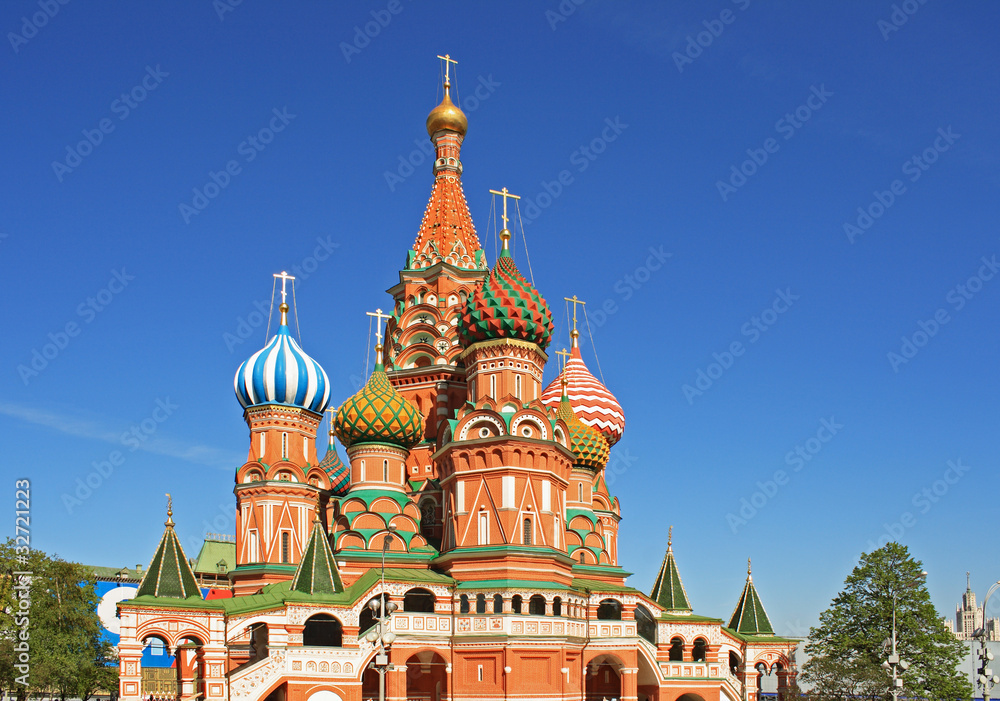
pixel 593 404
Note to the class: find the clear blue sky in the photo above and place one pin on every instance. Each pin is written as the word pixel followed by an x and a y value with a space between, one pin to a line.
pixel 837 103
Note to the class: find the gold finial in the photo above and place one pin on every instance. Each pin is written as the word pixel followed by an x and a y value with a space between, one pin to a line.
pixel 331 411
pixel 318 511
pixel 505 232
pixel 670 537
pixel 574 334
pixel 748 568
pixel 448 60
pixel 170 511
pixel 379 316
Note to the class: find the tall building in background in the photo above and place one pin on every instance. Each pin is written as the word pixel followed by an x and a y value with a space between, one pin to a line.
pixel 969 617
pixel 472 498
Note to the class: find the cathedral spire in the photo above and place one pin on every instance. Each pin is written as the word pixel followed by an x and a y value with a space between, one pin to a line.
pixel 749 617
pixel 447 234
pixel 668 589
pixel 169 574
pixel 317 572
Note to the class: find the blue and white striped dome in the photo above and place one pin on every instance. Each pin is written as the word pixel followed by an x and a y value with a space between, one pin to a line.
pixel 282 373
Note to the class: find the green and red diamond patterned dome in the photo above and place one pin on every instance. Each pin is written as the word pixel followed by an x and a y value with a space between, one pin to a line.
pixel 506 306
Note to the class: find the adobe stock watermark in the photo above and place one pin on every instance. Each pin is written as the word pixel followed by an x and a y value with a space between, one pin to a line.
pixel 221 522
pixel 621 461
pixel 257 317
pixel 899 16
pixel 133 439
pixel 958 296
pixel 60 339
pixel 249 148
pixel 753 330
pixel 796 459
pixel 30 26
pixel 714 28
pixel 122 106
pixel 580 158
pixel 224 7
pixel 485 87
pixel 923 501
pixel 363 34
pixel 563 11
pixel 913 167
pixel 787 126
pixel 629 284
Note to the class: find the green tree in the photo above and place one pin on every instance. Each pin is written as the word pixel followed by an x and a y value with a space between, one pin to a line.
pixel 68 657
pixel 851 643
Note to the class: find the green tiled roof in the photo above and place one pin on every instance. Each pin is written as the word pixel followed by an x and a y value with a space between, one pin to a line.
pixel 749 618
pixel 121 573
pixel 317 572
pixel 169 574
pixel 212 553
pixel 668 590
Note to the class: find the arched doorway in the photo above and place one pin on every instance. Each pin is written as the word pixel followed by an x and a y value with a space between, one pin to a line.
pixel 604 680
pixel 609 610
pixel 418 601
pixel 426 677
pixel 690 697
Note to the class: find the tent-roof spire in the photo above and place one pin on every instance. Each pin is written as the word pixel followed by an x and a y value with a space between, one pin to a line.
pixel 668 589
pixel 317 572
pixel 169 574
pixel 750 618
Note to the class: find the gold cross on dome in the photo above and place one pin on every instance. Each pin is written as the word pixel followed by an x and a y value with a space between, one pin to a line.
pixel 575 302
pixel 331 411
pixel 379 316
pixel 285 277
pixel 505 194
pixel 448 60
pixel 564 354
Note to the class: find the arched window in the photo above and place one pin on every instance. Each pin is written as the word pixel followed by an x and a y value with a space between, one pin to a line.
pixel 493 385
pixel 527 531
pixel 418 601
pixel 323 630
pixel 676 650
pixel 583 557
pixel 484 528
pixel 285 555
pixel 557 606
pixel 536 605
pixel 609 610
pixel 463 603
pixel 497 603
pixel 579 491
pixel 515 603
pixel 699 650
pixel 517 386
pixel 480 603
pixel 645 625
pixel 734 663
pixel 385 470
pixel 284 446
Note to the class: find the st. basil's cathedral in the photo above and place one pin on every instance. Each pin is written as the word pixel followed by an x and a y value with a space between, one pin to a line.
pixel 468 548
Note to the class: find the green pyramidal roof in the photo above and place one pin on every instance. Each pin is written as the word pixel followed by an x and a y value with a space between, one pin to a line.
pixel 169 573
pixel 749 617
pixel 317 572
pixel 668 590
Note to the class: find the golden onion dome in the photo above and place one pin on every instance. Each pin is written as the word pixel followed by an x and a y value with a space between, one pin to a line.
pixel 448 116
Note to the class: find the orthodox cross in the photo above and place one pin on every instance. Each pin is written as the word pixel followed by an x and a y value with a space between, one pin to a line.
pixel 448 60
pixel 379 316
pixel 575 302
pixel 565 358
pixel 170 510
pixel 285 277
pixel 331 411
pixel 505 194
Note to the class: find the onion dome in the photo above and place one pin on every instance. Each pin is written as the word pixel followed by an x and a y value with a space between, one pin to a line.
pixel 588 445
pixel 379 414
pixel 506 305
pixel 335 469
pixel 593 403
pixel 282 373
pixel 447 116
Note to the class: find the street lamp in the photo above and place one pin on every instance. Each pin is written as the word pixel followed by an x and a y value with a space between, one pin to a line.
pixel 894 665
pixel 380 632
pixel 985 675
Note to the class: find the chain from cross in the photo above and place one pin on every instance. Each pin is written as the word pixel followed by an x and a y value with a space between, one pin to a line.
pixel 379 316
pixel 575 302
pixel 505 194
pixel 448 60
pixel 285 277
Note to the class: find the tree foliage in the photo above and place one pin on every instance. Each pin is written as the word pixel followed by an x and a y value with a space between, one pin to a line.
pixel 853 638
pixel 68 657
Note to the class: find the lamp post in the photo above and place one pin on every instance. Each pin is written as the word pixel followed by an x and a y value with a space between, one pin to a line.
pixel 985 675
pixel 380 633
pixel 894 665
